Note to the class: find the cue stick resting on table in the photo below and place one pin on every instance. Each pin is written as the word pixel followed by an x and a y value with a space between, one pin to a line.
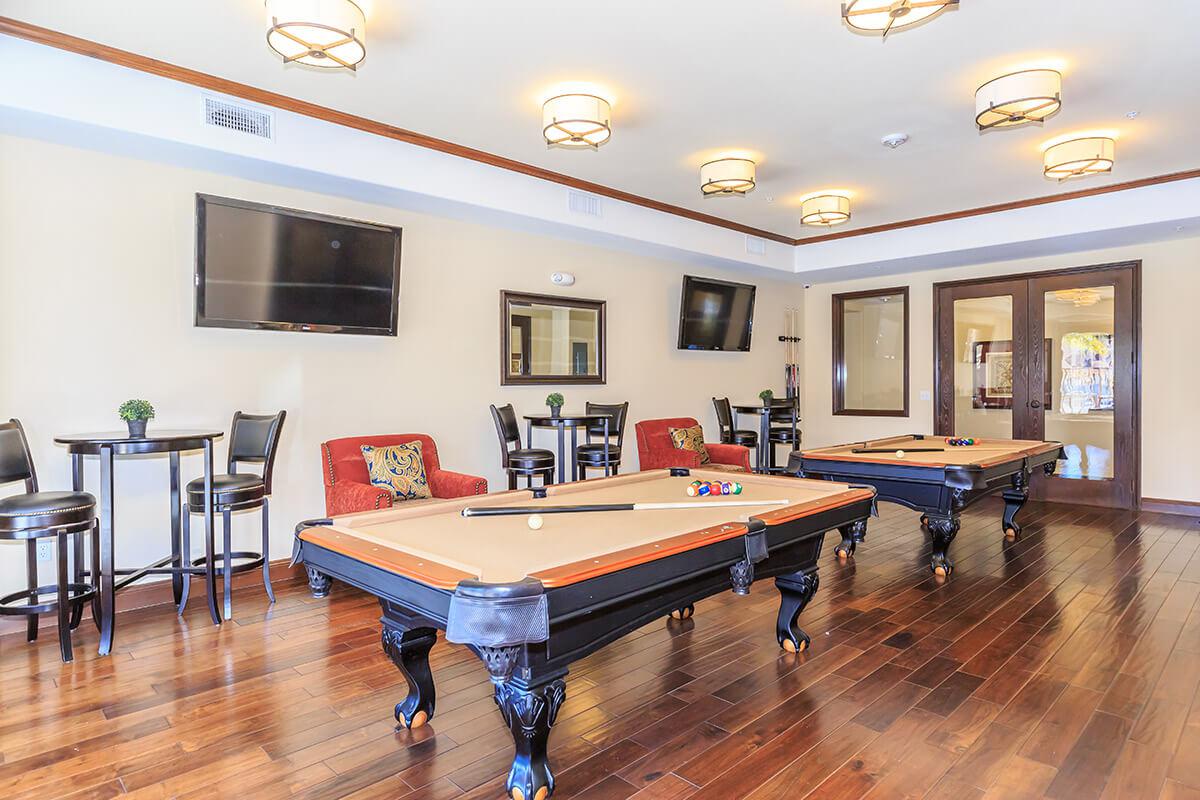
pixel 510 511
pixel 898 449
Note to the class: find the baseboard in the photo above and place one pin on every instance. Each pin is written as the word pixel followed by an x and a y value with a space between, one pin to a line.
pixel 1187 508
pixel 157 593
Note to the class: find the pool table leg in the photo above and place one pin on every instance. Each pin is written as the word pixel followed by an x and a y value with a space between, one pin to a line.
pixel 942 531
pixel 408 648
pixel 795 592
pixel 530 713
pixel 683 613
pixel 318 582
pixel 852 534
pixel 1014 500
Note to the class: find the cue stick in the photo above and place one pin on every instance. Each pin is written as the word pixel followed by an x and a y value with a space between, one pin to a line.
pixel 510 511
pixel 894 449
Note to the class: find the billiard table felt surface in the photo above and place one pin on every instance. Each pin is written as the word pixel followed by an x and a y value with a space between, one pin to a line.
pixel 432 541
pixel 984 453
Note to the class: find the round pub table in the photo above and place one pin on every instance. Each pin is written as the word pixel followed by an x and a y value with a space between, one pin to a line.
pixel 562 421
pixel 107 446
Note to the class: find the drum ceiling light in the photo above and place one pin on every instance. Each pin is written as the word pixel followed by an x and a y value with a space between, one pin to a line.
pixel 317 33
pixel 576 120
pixel 884 17
pixel 727 176
pixel 1030 95
pixel 824 209
pixel 1078 157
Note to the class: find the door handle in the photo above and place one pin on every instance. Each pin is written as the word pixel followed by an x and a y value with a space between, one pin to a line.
pixel 1035 404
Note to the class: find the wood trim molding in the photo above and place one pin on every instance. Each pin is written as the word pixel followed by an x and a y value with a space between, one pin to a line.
pixel 1009 206
pixel 1187 508
pixel 163 69
pixel 152 66
pixel 158 593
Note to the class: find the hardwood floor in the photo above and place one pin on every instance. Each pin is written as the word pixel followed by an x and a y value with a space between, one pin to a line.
pixel 1064 665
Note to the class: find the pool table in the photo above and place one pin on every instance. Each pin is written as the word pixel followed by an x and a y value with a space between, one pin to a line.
pixel 530 602
pixel 927 474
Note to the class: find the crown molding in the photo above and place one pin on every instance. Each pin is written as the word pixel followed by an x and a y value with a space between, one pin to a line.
pixel 85 47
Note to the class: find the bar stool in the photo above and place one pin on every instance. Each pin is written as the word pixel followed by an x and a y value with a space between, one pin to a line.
pixel 520 461
pixel 592 454
pixel 729 434
pixel 42 515
pixel 253 439
pixel 785 421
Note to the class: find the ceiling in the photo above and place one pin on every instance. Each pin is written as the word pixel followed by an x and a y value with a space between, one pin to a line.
pixel 785 81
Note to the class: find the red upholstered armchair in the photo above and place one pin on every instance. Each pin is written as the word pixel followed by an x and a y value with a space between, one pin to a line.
pixel 348 487
pixel 656 450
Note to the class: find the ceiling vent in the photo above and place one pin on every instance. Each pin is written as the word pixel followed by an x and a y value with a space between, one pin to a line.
pixel 756 246
pixel 583 203
pixel 239 118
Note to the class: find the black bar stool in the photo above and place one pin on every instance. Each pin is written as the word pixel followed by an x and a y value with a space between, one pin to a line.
pixel 253 439
pixel 729 434
pixel 592 454
pixel 785 422
pixel 42 515
pixel 520 461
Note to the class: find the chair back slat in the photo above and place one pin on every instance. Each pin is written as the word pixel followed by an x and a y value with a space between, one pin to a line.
pixel 254 439
pixel 507 430
pixel 724 418
pixel 16 463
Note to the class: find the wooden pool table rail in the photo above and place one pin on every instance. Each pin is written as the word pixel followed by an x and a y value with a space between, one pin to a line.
pixel 993 451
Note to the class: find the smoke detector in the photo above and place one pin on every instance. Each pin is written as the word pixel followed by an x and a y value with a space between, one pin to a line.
pixel 894 140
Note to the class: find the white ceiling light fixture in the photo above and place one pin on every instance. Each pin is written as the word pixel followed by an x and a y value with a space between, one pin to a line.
pixel 1018 98
pixel 825 209
pixel 1078 156
pixel 887 16
pixel 576 120
pixel 727 176
pixel 317 33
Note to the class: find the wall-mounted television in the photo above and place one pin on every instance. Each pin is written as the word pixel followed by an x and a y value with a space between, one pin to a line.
pixel 259 266
pixel 715 315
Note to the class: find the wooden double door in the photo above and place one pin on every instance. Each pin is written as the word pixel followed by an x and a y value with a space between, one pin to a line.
pixel 1048 355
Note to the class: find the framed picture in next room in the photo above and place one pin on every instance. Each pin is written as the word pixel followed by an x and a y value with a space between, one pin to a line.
pixel 992 367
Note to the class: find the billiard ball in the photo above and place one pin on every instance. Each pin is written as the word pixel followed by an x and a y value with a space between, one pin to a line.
pixel 535 522
pixel 737 488
pixel 899 454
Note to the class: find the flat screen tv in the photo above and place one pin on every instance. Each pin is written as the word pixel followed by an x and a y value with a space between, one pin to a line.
pixel 259 266
pixel 715 315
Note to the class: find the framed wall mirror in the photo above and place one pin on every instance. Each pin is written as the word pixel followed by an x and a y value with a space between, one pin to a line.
pixel 870 353
pixel 549 339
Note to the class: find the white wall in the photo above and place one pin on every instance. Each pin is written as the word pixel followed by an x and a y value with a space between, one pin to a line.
pixel 1170 382
pixel 96 264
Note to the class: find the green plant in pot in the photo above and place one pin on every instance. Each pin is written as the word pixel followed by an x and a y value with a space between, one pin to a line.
pixel 766 395
pixel 136 413
pixel 555 401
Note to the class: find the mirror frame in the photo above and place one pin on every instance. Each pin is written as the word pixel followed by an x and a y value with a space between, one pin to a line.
pixel 507 379
pixel 839 354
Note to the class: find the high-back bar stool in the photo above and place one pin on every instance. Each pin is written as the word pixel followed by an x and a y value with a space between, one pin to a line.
pixel 520 461
pixel 592 454
pixel 729 432
pixel 253 439
pixel 42 515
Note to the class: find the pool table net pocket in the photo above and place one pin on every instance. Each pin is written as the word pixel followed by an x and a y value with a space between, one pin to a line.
pixel 498 615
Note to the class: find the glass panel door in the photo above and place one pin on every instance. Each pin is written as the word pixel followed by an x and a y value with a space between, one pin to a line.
pixel 984 367
pixel 1079 343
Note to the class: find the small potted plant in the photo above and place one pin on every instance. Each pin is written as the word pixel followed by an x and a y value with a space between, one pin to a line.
pixel 555 401
pixel 136 413
pixel 766 395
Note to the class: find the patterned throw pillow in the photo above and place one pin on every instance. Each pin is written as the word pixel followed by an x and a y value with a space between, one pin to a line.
pixel 399 469
pixel 690 439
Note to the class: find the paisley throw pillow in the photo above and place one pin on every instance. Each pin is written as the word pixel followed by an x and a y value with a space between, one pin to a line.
pixel 399 469
pixel 690 439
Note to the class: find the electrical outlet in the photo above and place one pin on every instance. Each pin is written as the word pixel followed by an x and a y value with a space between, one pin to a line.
pixel 925 395
pixel 45 550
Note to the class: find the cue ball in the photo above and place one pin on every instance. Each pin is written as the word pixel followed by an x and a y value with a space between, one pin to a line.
pixel 899 454
pixel 535 522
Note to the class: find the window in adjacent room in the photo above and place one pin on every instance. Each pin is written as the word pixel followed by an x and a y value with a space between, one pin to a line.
pixel 870 353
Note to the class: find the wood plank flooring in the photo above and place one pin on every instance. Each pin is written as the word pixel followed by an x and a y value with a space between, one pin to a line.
pixel 1064 665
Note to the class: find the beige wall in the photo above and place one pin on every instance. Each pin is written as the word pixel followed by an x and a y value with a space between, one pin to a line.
pixel 1170 384
pixel 96 262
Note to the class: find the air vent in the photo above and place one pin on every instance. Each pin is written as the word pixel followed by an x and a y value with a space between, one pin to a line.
pixel 756 246
pixel 243 119
pixel 582 203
